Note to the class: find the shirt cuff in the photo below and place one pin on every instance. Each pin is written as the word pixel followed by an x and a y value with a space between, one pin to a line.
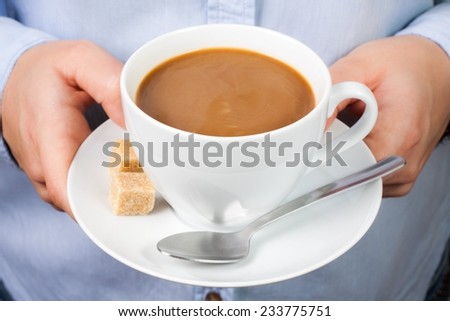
pixel 434 24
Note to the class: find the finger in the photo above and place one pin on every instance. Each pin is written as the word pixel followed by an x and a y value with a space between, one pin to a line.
pixel 98 73
pixel 396 190
pixel 349 112
pixel 414 166
pixel 41 190
pixel 60 143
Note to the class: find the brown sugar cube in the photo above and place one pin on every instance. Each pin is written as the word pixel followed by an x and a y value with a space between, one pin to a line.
pixel 129 162
pixel 131 193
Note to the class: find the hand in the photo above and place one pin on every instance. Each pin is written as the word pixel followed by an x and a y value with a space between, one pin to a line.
pixel 50 87
pixel 409 76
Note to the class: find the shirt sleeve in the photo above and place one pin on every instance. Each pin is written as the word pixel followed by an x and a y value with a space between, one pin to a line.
pixel 434 24
pixel 15 39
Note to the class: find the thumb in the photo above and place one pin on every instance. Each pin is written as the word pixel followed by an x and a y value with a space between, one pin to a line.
pixel 97 72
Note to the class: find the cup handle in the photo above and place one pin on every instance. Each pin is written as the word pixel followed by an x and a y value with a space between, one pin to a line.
pixel 363 126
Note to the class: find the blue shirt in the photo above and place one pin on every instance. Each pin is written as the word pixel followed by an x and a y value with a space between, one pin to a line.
pixel 44 255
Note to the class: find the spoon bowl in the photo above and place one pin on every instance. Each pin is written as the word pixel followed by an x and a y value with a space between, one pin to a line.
pixel 206 247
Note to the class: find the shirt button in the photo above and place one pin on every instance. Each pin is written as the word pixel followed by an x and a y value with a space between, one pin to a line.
pixel 213 296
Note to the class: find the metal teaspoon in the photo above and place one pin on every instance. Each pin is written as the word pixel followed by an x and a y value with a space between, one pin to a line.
pixel 217 247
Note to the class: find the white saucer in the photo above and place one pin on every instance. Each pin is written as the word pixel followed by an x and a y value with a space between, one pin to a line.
pixel 298 244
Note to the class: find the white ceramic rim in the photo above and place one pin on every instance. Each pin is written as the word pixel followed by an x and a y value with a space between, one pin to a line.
pixel 320 102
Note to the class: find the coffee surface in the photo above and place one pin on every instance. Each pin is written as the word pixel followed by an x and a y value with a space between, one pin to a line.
pixel 225 92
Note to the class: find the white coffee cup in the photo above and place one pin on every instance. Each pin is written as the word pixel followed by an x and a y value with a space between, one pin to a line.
pixel 228 196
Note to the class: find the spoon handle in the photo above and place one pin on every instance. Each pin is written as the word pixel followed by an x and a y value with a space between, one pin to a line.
pixel 378 170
